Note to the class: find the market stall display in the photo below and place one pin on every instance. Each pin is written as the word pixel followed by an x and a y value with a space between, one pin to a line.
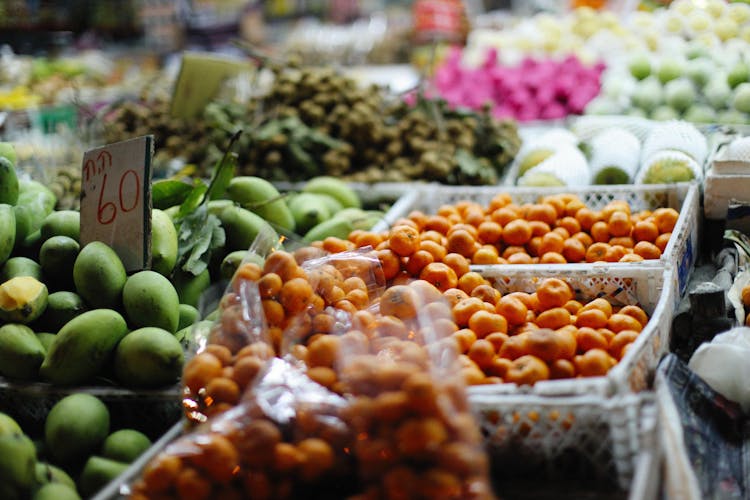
pixel 377 281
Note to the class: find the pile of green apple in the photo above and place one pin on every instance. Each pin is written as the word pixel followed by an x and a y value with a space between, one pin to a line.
pixel 696 85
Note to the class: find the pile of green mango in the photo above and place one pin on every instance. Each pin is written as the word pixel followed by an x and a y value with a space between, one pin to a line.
pixel 324 206
pixel 71 315
pixel 77 455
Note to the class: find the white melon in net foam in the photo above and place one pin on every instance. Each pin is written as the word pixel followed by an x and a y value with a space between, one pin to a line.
pixel 615 147
pixel 665 156
pixel 568 164
pixel 676 135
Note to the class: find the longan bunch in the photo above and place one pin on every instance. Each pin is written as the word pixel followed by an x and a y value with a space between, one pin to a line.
pixel 558 229
pixel 524 337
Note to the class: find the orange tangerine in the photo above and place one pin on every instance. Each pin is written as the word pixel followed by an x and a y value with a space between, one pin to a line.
pixel 618 322
pixel 593 363
pixel 527 370
pixel 516 232
pixel 600 232
pixel 647 250
pixel 666 219
pixel 645 230
pixel 618 343
pixel 553 318
pixel 553 292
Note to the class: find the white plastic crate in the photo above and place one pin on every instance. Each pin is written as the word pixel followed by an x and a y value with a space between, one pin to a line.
pixel 681 251
pixel 586 437
pixel 652 288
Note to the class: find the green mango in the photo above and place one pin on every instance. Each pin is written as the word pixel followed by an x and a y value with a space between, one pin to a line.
pixel 335 188
pixel 163 243
pixel 7 232
pixel 242 227
pixel 46 339
pixel 62 223
pixel 83 346
pixel 17 462
pixel 76 427
pixel 190 287
pixel 47 473
pixel 57 256
pixel 308 210
pixel 150 299
pixel 8 181
pixel 97 473
pixel 22 299
pixel 125 445
pixel 21 352
pixel 148 358
pixel 261 197
pixel 338 227
pixel 20 266
pixel 99 276
pixel 56 491
pixel 188 315
pixel 61 307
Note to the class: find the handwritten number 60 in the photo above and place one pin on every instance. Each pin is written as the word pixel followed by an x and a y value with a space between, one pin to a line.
pixel 107 212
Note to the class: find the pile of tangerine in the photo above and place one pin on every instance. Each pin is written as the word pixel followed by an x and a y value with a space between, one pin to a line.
pixel 558 229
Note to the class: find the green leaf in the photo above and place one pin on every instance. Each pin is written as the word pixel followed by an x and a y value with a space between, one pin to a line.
pixel 200 233
pixel 169 192
pixel 224 175
pixel 194 199
pixel 224 170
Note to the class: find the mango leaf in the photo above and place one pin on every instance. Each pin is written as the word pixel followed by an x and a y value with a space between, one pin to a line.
pixel 193 200
pixel 200 233
pixel 169 192
pixel 222 176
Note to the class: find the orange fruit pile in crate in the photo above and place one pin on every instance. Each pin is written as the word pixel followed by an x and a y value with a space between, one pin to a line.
pixel 558 229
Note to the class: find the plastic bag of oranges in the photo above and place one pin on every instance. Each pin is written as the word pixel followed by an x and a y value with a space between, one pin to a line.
pixel 364 404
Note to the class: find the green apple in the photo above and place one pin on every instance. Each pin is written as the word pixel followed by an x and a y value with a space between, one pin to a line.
pixel 731 117
pixel 700 113
pixel 640 66
pixel 718 92
pixel 648 94
pixel 670 69
pixel 664 113
pixel 679 94
pixel 739 73
pixel 700 70
pixel 696 50
pixel 741 98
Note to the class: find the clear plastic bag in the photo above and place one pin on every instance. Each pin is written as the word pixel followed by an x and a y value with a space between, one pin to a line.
pixel 362 398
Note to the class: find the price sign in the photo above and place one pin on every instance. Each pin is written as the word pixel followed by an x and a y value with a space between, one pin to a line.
pixel 116 199
pixel 201 77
